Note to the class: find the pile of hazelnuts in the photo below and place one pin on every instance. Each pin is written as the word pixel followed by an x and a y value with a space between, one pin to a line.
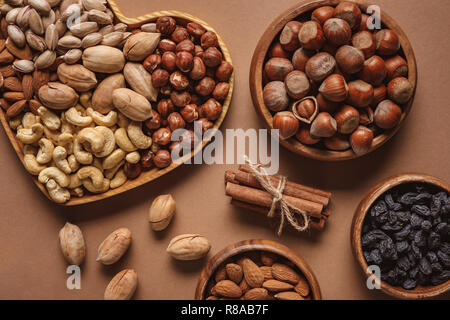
pixel 333 83
pixel 189 70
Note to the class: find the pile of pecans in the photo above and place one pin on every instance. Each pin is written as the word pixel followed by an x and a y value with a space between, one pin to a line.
pixel 333 83
pixel 258 275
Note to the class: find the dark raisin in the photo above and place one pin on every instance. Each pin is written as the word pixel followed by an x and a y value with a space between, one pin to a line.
pixel 388 249
pixel 392 227
pixel 403 263
pixel 422 198
pixel 441 228
pixel 379 208
pixel 444 258
pixel 415 251
pixel 420 239
pixel 404 216
pixel 434 240
pixel 440 278
pixel 375 256
pixel 421 210
pixel 426 226
pixel 425 267
pixel 372 237
pixel 435 205
pixel 445 248
pixel 416 221
pixel 432 257
pixel 409 284
pixel 402 246
pixel 402 234
pixel 436 267
pixel 408 198
pixel 414 272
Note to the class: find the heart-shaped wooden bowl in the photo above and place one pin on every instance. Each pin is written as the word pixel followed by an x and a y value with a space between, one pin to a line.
pixel 252 246
pixel 303 10
pixel 419 292
pixel 154 173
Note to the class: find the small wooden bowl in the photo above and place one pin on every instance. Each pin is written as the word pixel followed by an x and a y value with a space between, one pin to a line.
pixel 256 245
pixel 154 173
pixel 358 219
pixel 303 10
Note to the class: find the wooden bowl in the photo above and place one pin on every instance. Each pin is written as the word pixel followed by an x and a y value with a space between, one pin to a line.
pixel 256 245
pixel 419 292
pixel 154 173
pixel 303 10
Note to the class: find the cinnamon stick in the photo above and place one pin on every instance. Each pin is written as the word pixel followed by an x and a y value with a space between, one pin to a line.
pixel 292 189
pixel 264 199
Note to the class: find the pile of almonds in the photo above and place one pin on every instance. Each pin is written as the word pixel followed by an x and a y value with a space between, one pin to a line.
pixel 333 83
pixel 258 275
pixel 78 90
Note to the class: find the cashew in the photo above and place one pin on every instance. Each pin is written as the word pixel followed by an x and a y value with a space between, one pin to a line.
pixel 75 182
pixel 15 123
pixel 90 187
pixel 73 163
pixel 59 157
pixel 122 121
pixel 45 152
pixel 49 119
pixel 85 99
pixel 123 141
pixel 66 140
pixel 98 164
pixel 56 192
pixel 77 192
pixel 133 157
pixel 119 179
pixel 110 141
pixel 54 173
pixel 30 135
pixel 92 140
pixel 32 166
pixel 93 174
pixel 29 119
pixel 107 120
pixel 74 117
pixel 29 149
pixel 113 159
pixel 81 156
pixel 109 173
pixel 66 127
pixel 137 137
pixel 52 135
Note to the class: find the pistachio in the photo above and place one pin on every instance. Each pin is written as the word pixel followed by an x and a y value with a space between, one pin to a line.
pixel 35 22
pixel 72 244
pixel 114 246
pixel 140 80
pixel 91 40
pixel 45 59
pixel 51 37
pixel 69 42
pixel 77 77
pixel 22 17
pixel 112 39
pixel 133 105
pixel 140 45
pixel 41 6
pixel 55 95
pixel 5 8
pixel 93 5
pixel 11 16
pixel 122 27
pixel 16 35
pixel 106 29
pixel 161 212
pixel 94 59
pixel 149 27
pixel 122 286
pixel 102 100
pixel 188 247
pixel 48 20
pixel 82 29
pixel 24 66
pixel 72 56
pixel 34 41
pixel 99 16
pixel 61 27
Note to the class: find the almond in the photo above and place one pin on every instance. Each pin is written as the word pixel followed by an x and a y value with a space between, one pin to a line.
pixel 253 275
pixel 13 96
pixel 302 287
pixel 16 109
pixel 40 78
pixel 27 86
pixel 267 258
pixel 277 286
pixel 284 273
pixel 12 84
pixel 6 57
pixel 267 271
pixel 221 274
pixel 34 105
pixel 20 53
pixel 256 294
pixel 7 71
pixel 288 295
pixel 244 286
pixel 4 104
pixel 228 289
pixel 234 272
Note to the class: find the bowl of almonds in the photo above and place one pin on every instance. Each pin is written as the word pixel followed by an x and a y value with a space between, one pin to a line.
pixel 257 270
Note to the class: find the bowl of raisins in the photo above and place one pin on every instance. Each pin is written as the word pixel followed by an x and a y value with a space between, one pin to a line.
pixel 400 236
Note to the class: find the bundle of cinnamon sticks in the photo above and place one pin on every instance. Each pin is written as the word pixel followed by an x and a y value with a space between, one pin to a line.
pixel 246 192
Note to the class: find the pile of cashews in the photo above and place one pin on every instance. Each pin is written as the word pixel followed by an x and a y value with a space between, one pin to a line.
pixel 79 150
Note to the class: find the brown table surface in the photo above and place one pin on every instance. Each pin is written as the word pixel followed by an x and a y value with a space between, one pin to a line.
pixel 32 267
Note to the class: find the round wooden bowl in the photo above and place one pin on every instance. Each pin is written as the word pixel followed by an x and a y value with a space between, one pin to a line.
pixel 155 173
pixel 256 245
pixel 303 11
pixel 419 292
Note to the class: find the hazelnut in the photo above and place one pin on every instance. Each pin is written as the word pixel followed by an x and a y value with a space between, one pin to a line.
pixel 198 51
pixel 361 140
pixel 162 136
pixel 162 159
pixel 166 90
pixel 186 45
pixel 286 122
pixel 212 109
pixel 152 62
pixel 386 42
pixel 175 121
pixel 275 96
pixel 166 25
pixel 160 78
pixel 277 51
pixel 387 114
pixel 209 39
pixel 205 86
pixel 349 59
pixel 360 93
pixel 322 14
pixel 154 122
pixel 320 66
pixel 147 160
pixel 311 36
pixel 306 109
pixel 289 36
pixel 187 139
pixel 363 26
pixel 396 67
pixel 379 94
pixel 373 71
pixel 400 90
pixel 304 136
pixel 297 84
pixel 347 119
pixel 189 113
pixel 165 107
pixel 224 71
pixel 276 69
pixel 338 142
pixel 179 81
pixel 364 41
pixel 326 105
pixel 300 58
pixel 206 124
pixel 180 98
pixel 323 126
pixel 366 116
pixel 184 61
pixel 349 12
pixel 176 149
pixel 196 30
pixel 168 61
pixel 337 31
pixel 221 91
pixel 198 69
pixel 334 88
pixel 132 171
pixel 180 34
pixel 166 45
pixel 212 57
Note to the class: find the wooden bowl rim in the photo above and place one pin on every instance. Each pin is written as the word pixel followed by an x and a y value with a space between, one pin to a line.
pixel 155 173
pixel 356 230
pixel 257 245
pixel 256 81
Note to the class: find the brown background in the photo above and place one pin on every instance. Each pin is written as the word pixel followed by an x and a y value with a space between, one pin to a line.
pixel 31 266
